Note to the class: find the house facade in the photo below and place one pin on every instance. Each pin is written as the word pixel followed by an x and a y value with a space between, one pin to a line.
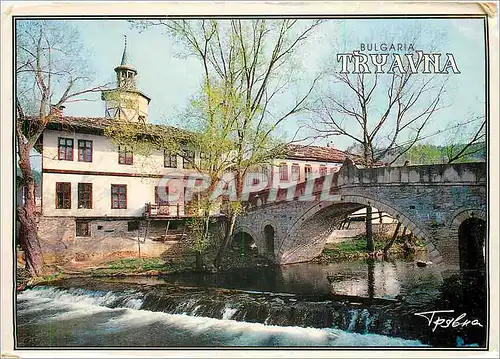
pixel 97 195
pixel 302 162
pixel 87 175
pixel 93 188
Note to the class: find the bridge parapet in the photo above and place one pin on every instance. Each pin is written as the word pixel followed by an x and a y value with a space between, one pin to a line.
pixel 475 172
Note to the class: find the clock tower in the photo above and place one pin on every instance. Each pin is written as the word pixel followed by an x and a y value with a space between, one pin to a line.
pixel 126 102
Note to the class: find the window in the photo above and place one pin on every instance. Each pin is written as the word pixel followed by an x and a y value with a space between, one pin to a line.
pixel 307 172
pixel 65 149
pixel 63 195
pixel 169 160
pixel 265 174
pixel 253 176
pixel 118 196
pixel 125 156
pixel 188 162
pixel 83 228
pixel 249 180
pixel 161 196
pixel 322 170
pixel 85 195
pixel 84 151
pixel 283 172
pixel 295 172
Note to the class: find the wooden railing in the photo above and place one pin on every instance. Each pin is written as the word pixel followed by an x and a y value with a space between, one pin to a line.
pixel 152 210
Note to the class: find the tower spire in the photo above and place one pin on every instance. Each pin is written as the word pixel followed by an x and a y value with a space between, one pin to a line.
pixel 125 72
pixel 125 59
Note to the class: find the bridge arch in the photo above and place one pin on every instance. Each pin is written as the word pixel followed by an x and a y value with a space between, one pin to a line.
pixel 269 232
pixel 322 218
pixel 243 231
pixel 465 213
pixel 470 226
pixel 422 198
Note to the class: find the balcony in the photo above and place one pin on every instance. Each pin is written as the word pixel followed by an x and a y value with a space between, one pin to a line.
pixel 165 211
pixel 155 210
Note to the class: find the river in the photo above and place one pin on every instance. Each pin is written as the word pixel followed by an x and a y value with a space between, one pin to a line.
pixel 346 304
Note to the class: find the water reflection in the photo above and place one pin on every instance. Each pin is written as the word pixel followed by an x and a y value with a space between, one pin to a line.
pixel 369 279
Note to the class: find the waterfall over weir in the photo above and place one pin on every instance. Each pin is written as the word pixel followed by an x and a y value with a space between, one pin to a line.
pixel 340 304
pixel 94 317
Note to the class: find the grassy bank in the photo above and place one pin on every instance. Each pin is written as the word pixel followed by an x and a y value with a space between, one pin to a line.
pixel 155 266
pixel 145 266
pixel 138 266
pixel 355 248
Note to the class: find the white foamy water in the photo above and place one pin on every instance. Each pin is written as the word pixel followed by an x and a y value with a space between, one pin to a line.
pixel 255 334
pixel 228 312
pixel 132 326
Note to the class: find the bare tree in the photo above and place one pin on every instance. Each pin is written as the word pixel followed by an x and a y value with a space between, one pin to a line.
pixel 377 111
pixel 474 144
pixel 49 74
pixel 377 125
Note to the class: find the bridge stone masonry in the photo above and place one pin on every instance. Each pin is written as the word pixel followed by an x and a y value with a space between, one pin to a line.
pixel 443 205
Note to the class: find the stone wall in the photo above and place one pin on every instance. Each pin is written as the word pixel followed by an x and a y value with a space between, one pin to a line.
pixel 441 173
pixel 57 237
pixel 108 238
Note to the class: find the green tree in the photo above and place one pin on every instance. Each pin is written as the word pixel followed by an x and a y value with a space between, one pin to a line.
pixel 246 65
pixel 423 154
pixel 244 62
pixel 212 143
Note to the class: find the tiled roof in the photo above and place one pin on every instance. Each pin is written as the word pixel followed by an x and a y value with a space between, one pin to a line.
pixel 299 152
pixel 98 124
pixel 315 153
pixel 93 122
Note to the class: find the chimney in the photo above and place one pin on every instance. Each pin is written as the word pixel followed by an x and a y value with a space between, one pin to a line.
pixel 56 111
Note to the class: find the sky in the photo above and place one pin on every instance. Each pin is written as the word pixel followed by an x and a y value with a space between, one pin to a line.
pixel 170 80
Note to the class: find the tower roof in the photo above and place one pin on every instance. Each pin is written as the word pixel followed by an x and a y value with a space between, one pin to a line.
pixel 125 59
pixel 125 63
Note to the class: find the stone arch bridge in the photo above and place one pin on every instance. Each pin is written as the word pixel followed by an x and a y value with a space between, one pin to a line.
pixel 436 202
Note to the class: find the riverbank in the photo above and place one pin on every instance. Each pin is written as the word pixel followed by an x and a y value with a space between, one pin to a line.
pixel 355 248
pixel 118 266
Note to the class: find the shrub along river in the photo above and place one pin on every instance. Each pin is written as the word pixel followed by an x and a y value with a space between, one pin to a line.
pixel 355 303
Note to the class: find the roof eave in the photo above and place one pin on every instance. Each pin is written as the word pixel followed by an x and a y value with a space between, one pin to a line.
pixel 318 159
